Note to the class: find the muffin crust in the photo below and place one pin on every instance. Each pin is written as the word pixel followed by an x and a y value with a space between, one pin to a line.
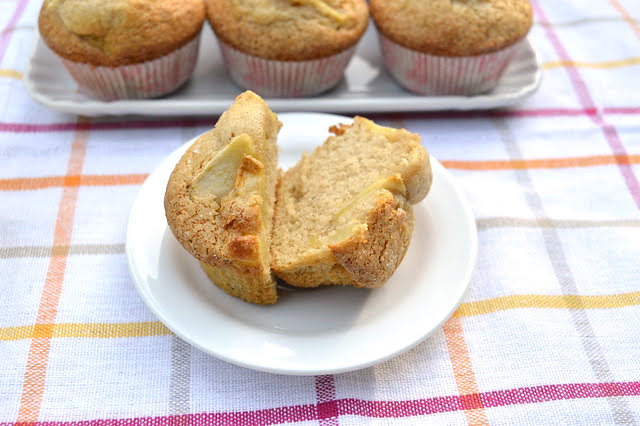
pixel 220 196
pixel 453 27
pixel 289 30
pixel 119 32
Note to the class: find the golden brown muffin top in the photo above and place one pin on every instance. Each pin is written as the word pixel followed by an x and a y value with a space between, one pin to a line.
pixel 220 196
pixel 453 27
pixel 289 30
pixel 119 32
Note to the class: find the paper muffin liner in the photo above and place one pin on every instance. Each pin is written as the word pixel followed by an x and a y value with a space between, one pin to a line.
pixel 285 79
pixel 442 75
pixel 144 80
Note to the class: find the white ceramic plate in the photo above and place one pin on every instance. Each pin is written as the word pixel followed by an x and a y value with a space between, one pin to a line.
pixel 309 331
pixel 367 87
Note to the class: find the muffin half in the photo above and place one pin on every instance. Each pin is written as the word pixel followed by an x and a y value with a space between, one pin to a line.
pixel 343 214
pixel 220 197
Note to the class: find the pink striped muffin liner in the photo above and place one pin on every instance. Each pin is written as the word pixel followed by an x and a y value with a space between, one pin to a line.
pixel 285 79
pixel 442 75
pixel 144 80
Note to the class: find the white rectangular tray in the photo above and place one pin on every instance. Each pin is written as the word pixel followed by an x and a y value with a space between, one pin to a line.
pixel 367 87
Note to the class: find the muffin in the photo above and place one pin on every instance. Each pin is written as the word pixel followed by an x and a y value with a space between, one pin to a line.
pixel 220 196
pixel 124 49
pixel 344 213
pixel 450 47
pixel 287 48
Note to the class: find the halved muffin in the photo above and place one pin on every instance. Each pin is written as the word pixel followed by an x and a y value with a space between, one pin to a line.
pixel 343 214
pixel 220 197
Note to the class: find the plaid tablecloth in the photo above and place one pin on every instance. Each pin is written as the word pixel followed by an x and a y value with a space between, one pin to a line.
pixel 549 331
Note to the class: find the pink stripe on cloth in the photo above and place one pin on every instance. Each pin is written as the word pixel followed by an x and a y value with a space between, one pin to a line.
pixel 150 124
pixel 503 113
pixel 120 125
pixel 537 394
pixel 621 110
pixel 580 87
pixel 7 33
pixel 296 413
pixel 382 409
pixel 327 404
pixel 501 398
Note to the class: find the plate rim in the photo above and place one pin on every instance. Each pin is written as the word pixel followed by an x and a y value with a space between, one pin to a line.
pixel 407 102
pixel 151 303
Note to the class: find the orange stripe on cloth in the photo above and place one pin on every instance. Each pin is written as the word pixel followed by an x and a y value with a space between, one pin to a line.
pixel 626 16
pixel 26 184
pixel 543 163
pixel 38 358
pixel 463 372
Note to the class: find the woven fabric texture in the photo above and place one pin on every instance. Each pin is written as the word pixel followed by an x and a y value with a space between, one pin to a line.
pixel 548 333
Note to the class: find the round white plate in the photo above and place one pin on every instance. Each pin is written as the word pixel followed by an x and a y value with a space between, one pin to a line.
pixel 309 331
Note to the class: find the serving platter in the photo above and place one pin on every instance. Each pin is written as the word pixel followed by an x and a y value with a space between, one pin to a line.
pixel 366 88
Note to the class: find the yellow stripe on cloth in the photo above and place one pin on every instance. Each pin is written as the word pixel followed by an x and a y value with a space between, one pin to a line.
pixel 540 301
pixel 606 64
pixel 86 330
pixel 10 74
pixel 16 333
pixel 106 330
pixel 481 307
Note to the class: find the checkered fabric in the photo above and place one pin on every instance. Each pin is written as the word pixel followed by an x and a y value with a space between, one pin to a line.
pixel 549 331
